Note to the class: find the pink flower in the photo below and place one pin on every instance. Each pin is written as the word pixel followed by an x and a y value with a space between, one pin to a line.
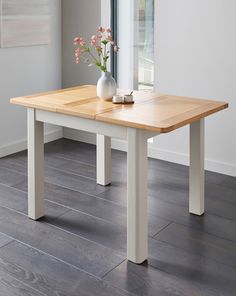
pixel 78 52
pixel 82 43
pixel 98 44
pixel 93 42
pixel 101 29
pixel 95 39
pixel 77 57
pixel 116 48
pixel 77 40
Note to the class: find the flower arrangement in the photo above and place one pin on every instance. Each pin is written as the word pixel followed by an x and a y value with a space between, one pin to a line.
pixel 98 51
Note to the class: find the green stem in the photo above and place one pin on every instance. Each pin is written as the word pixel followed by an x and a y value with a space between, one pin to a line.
pixel 104 60
pixel 89 52
pixel 101 63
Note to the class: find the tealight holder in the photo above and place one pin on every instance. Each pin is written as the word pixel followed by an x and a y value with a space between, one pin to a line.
pixel 128 99
pixel 117 99
pixel 123 99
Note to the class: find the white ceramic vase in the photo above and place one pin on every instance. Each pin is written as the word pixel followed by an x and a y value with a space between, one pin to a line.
pixel 106 86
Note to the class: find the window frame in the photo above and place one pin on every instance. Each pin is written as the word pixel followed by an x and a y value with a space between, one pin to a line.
pixel 114 27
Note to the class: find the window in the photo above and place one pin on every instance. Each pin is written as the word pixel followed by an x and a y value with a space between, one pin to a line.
pixel 146 44
pixel 135 28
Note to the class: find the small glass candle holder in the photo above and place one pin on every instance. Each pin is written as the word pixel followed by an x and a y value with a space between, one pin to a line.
pixel 128 99
pixel 117 99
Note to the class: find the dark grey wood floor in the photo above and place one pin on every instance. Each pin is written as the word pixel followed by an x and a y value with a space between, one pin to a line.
pixel 79 247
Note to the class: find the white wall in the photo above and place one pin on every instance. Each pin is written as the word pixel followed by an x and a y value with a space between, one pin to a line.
pixel 196 56
pixel 23 71
pixel 79 18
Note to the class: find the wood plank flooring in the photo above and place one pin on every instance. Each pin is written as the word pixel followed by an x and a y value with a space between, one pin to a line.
pixel 79 247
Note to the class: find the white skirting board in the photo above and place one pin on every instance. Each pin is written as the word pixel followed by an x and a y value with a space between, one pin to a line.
pixel 153 152
pixel 22 144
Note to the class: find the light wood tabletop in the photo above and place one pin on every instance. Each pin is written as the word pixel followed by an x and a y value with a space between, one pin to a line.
pixel 151 111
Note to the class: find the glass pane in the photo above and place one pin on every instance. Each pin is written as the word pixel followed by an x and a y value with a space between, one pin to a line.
pixel 146 44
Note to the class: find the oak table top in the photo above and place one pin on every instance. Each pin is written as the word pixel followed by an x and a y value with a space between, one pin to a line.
pixel 152 111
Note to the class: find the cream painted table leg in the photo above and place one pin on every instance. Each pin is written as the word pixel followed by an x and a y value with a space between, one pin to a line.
pixel 196 174
pixel 103 160
pixel 137 227
pixel 35 166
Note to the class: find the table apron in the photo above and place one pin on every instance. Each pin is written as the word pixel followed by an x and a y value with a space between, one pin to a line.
pixel 87 125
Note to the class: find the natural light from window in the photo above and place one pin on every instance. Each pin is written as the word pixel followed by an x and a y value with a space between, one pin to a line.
pixel 146 44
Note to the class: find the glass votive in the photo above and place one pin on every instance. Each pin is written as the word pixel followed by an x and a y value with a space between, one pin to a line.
pixel 128 99
pixel 117 99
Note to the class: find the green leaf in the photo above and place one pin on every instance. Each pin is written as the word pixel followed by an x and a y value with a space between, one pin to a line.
pixel 103 68
pixel 105 59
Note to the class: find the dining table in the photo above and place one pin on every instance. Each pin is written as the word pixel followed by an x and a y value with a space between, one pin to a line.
pixel 152 114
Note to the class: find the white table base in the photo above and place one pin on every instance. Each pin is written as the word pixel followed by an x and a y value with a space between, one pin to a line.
pixel 137 222
pixel 103 160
